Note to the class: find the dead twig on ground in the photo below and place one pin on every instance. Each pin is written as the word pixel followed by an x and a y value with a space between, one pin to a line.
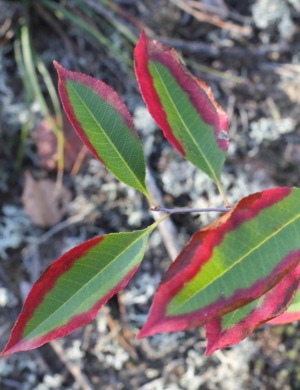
pixel 244 118
pixel 230 107
pixel 74 368
pixel 115 330
pixel 237 52
pixel 287 70
pixel 212 19
pixel 261 50
pixel 79 159
pixel 223 12
pixel 39 359
pixel 192 47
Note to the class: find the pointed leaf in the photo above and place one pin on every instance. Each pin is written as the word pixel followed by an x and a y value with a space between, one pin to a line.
pixel 235 326
pixel 70 292
pixel 103 123
pixel 182 106
pixel 292 313
pixel 225 267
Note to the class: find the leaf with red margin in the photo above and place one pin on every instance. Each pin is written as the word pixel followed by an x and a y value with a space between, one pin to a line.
pixel 230 263
pixel 103 123
pixel 182 105
pixel 292 313
pixel 232 328
pixel 70 292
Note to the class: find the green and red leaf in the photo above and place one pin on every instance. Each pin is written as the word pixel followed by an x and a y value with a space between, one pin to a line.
pixel 230 263
pixel 182 106
pixel 292 313
pixel 232 328
pixel 71 290
pixel 103 123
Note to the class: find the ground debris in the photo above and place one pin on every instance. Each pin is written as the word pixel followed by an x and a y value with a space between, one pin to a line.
pixel 43 202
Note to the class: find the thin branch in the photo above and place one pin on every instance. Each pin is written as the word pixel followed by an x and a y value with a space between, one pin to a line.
pixel 167 228
pixel 182 211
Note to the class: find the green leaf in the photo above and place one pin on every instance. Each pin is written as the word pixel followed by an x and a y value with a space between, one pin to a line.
pixel 291 314
pixel 230 263
pixel 233 327
pixel 103 123
pixel 182 106
pixel 70 292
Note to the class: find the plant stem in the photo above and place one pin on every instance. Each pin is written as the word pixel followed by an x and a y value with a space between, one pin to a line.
pixel 181 211
pixel 162 218
pixel 227 204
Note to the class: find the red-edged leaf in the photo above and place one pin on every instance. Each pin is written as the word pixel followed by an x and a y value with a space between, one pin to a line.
pixel 182 106
pixel 103 123
pixel 292 313
pixel 235 326
pixel 225 267
pixel 70 292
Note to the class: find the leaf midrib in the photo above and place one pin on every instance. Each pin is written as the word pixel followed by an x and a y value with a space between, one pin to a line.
pixel 237 262
pixel 187 129
pixel 66 302
pixel 108 139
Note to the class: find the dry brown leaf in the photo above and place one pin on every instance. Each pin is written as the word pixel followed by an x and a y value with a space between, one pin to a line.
pixel 46 143
pixel 43 203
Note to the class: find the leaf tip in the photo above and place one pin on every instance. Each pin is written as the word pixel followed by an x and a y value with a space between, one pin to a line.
pixel 143 35
pixel 6 352
pixel 209 351
pixel 12 347
pixel 59 68
pixel 150 328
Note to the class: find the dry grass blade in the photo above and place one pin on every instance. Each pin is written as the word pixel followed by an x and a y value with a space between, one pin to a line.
pixel 87 25
pixel 113 19
pixel 47 16
pixel 29 67
pixel 217 73
pixel 126 15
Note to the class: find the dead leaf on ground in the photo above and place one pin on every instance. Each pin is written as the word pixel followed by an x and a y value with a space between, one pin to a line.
pixel 46 143
pixel 43 203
